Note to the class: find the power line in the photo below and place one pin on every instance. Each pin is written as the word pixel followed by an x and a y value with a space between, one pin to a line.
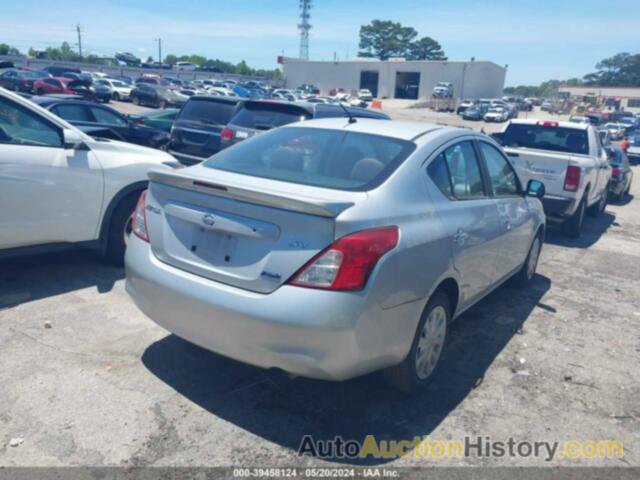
pixel 304 26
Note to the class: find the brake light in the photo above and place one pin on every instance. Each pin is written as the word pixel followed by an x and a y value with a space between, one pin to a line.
pixel 347 263
pixel 548 124
pixel 616 172
pixel 138 121
pixel 139 219
pixel 572 179
pixel 226 134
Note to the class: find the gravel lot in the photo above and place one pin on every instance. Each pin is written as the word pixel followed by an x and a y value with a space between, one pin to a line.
pixel 88 380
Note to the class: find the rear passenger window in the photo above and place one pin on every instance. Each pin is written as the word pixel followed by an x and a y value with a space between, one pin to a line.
pixel 439 173
pixel 464 172
pixel 72 113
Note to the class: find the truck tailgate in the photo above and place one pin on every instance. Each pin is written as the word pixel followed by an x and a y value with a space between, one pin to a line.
pixel 548 167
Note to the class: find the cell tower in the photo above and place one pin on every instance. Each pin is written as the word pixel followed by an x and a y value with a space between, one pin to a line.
pixel 304 27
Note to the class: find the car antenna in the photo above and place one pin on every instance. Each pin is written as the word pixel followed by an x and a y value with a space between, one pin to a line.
pixel 352 119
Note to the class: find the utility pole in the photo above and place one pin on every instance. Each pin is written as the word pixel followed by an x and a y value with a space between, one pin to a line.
pixel 159 40
pixel 304 26
pixel 79 30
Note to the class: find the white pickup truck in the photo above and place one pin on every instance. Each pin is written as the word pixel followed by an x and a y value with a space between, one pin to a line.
pixel 571 162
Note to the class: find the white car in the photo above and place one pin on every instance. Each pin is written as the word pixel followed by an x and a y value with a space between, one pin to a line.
pixel 616 130
pixel 569 159
pixel 496 114
pixel 59 187
pixel 185 66
pixel 365 94
pixel 120 91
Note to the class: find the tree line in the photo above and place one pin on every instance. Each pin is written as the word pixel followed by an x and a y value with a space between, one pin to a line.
pixel 621 70
pixel 66 53
pixel 384 39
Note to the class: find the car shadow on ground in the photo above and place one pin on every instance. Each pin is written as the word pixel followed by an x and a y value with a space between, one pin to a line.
pixel 283 410
pixel 35 277
pixel 592 230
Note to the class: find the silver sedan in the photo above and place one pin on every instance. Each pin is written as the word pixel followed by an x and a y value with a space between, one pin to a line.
pixel 333 248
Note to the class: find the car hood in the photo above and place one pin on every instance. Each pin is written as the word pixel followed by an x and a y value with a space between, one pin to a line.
pixel 116 152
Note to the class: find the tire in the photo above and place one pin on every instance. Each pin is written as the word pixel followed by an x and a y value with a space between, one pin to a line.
pixel 116 97
pixel 406 376
pixel 120 228
pixel 573 226
pixel 162 104
pixel 40 92
pixel 135 101
pixel 528 270
pixel 598 208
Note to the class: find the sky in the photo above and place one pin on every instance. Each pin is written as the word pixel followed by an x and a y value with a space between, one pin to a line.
pixel 538 39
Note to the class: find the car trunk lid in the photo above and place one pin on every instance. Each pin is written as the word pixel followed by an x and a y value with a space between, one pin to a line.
pixel 219 226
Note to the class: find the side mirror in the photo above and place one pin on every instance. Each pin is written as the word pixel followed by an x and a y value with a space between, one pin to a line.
pixel 535 189
pixel 73 140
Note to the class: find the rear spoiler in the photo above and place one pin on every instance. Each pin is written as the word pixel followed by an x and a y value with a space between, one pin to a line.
pixel 286 201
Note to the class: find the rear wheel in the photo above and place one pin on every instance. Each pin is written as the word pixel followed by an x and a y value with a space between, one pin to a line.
pixel 416 369
pixel 116 97
pixel 573 226
pixel 120 228
pixel 135 100
pixel 40 92
pixel 597 208
pixel 162 104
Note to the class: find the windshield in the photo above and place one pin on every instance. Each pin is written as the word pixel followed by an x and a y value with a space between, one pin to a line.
pixel 557 139
pixel 319 157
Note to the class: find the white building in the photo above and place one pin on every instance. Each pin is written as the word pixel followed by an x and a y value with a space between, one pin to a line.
pixel 397 78
pixel 618 98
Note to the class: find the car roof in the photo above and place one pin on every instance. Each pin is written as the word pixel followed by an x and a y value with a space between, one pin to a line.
pixel 217 99
pixel 400 129
pixel 576 126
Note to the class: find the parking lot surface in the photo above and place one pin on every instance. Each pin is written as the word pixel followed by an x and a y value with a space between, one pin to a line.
pixel 89 380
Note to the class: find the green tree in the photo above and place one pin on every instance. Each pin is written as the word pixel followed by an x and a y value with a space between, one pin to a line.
pixel 4 49
pixel 170 59
pixel 384 39
pixel 426 49
pixel 243 69
pixel 622 69
pixel 150 59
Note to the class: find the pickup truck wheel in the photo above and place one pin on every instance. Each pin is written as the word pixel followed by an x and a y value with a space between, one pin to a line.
pixel 528 270
pixel 429 340
pixel 597 208
pixel 573 226
pixel 120 228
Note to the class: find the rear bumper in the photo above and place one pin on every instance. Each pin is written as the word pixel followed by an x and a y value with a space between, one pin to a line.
pixel 558 207
pixel 312 333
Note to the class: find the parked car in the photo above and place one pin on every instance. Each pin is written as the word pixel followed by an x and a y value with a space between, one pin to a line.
pixel 475 112
pixel 615 130
pixel 120 91
pixel 365 95
pixel 57 71
pixel 629 124
pixel 244 253
pixel 569 158
pixel 496 114
pixel 621 175
pixel 160 119
pixel 88 114
pixel 196 130
pixel 21 80
pixel 62 85
pixel 155 80
pixel 185 66
pixel 156 96
pixel 60 187
pixel 580 119
pixel 257 116
pixel 103 93
pixel 466 103
pixel 443 90
pixel 546 106
pixel 633 151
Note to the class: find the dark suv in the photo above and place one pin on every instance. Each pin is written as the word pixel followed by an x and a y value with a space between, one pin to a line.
pixel 155 96
pixel 196 130
pixel 256 116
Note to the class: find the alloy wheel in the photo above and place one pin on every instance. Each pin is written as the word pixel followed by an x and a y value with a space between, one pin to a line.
pixel 431 342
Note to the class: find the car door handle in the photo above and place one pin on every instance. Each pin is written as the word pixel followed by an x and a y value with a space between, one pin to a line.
pixel 460 236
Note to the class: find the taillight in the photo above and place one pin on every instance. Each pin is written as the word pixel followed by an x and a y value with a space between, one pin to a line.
pixel 572 180
pixel 616 172
pixel 549 124
pixel 226 134
pixel 347 263
pixel 139 220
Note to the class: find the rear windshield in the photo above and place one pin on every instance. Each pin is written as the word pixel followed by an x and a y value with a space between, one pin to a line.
pixel 557 139
pixel 267 116
pixel 319 157
pixel 205 111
